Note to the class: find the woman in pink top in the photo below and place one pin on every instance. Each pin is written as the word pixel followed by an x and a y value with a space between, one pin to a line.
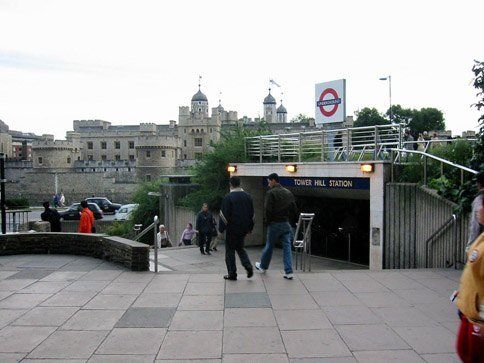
pixel 187 235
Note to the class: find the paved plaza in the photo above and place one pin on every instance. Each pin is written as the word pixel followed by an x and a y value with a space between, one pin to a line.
pixel 57 308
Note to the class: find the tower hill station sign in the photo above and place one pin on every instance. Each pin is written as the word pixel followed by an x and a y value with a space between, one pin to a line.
pixel 325 183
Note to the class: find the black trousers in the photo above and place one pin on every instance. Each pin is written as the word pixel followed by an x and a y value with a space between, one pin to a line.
pixel 204 239
pixel 235 243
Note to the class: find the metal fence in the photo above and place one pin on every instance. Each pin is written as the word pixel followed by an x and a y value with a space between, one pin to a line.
pixel 17 220
pixel 421 229
pixel 349 144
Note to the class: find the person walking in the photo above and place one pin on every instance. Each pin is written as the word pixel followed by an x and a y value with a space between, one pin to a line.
pixel 474 227
pixel 187 235
pixel 280 211
pixel 162 237
pixel 51 216
pixel 62 200
pixel 470 299
pixel 205 227
pixel 236 220
pixel 86 223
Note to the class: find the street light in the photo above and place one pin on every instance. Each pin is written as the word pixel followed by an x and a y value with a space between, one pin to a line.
pixel 389 78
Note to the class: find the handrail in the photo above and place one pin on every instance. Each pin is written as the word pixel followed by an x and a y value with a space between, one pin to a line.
pixel 462 167
pixel 440 230
pixel 144 232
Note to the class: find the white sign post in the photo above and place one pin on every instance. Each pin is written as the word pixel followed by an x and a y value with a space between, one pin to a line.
pixel 330 102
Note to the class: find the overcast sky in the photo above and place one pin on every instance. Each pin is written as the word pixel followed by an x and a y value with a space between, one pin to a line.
pixel 137 61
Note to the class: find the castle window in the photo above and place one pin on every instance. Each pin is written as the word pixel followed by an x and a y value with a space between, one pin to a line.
pixel 163 153
pixel 68 160
pixel 89 145
pixel 211 130
pixel 117 157
pixel 78 158
pixel 172 153
pixel 185 143
pixel 184 156
pixel 198 141
pixel 93 169
pixel 40 160
pixel 131 157
pixel 131 144
pixel 105 169
pixel 104 145
pixel 199 103
pixel 185 130
pixel 117 145
pixel 199 110
pixel 104 157
pixel 198 131
pixel 148 153
pixel 148 177
pixel 89 157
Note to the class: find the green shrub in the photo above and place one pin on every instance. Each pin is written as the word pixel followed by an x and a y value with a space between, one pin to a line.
pixel 20 202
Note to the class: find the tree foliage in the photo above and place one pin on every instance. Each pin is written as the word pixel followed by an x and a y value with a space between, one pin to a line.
pixel 302 119
pixel 210 172
pixel 369 117
pixel 425 119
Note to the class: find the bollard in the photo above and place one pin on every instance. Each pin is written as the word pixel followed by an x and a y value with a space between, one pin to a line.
pixel 155 228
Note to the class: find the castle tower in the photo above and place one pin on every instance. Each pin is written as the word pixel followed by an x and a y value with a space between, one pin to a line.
pixel 281 114
pixel 199 105
pixel 270 108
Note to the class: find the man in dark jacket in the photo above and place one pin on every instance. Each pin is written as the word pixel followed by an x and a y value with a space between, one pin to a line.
pixel 51 216
pixel 205 227
pixel 237 220
pixel 280 212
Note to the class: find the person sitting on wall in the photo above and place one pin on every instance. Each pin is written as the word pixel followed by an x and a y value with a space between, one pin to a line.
pixel 51 216
pixel 86 223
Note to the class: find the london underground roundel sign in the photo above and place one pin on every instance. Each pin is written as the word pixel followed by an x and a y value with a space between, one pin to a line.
pixel 330 102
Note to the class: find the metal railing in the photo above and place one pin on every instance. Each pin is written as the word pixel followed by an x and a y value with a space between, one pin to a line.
pixel 348 144
pixel 398 156
pixel 17 220
pixel 303 246
pixel 153 226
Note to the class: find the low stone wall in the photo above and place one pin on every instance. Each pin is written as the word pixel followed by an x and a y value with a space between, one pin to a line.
pixel 133 255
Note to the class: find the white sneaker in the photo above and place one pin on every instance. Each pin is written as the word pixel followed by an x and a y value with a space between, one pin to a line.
pixel 260 269
pixel 288 276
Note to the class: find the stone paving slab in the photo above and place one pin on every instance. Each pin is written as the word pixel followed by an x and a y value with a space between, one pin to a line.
pixel 85 311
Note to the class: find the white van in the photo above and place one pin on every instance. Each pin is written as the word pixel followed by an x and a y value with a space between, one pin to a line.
pixel 124 212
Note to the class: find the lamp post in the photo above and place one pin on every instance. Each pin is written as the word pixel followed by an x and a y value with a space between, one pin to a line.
pixel 389 78
pixel 160 196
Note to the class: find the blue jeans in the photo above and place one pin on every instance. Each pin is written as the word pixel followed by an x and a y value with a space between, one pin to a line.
pixel 278 231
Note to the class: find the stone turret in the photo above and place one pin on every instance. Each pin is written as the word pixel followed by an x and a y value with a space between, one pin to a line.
pixel 154 154
pixel 53 154
pixel 270 108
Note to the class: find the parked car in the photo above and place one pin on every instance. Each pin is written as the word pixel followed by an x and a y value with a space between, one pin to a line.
pixel 73 212
pixel 105 204
pixel 124 212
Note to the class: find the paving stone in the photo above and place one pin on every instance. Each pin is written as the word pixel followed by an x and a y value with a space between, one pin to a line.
pixel 205 278
pixel 365 285
pixel 201 302
pixel 28 360
pixel 395 280
pixel 45 287
pixel 252 285
pixel 252 340
pixel 441 358
pixel 164 287
pixel 135 277
pixel 31 274
pixel 350 315
pixel 322 282
pixel 96 358
pixel 189 361
pixel 314 344
pixel 381 299
pixel 9 315
pixel 146 318
pixel 385 356
pixel 403 316
pixel 68 276
pixel 103 301
pixel 93 320
pixel 71 298
pixel 246 317
pixel 205 288
pixel 23 301
pixel 259 358
pixel 279 285
pixel 301 319
pixel 421 296
pixel 4 294
pixel 69 344
pixel 335 298
pixel 5 274
pixel 440 312
pixel 247 300
pixel 11 357
pixel 299 302
pixel 101 275
pixel 15 284
pixel 148 300
pixel 87 286
pixel 428 339
pixel 370 337
pixel 323 360
pixel 197 320
pixel 46 316
pixel 133 341
pixel 125 288
pixel 191 345
pixel 16 339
